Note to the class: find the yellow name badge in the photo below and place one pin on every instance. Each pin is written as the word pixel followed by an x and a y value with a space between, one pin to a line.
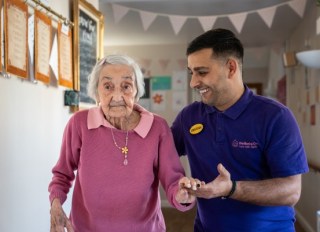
pixel 196 129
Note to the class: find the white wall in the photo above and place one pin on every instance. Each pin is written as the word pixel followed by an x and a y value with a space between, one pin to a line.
pixel 32 120
pixel 297 92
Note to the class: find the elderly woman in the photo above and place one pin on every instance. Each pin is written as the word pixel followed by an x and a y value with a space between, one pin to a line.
pixel 121 153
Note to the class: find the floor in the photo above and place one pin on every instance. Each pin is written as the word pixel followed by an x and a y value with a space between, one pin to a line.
pixel 177 221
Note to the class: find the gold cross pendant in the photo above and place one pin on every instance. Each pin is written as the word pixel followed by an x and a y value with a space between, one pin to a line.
pixel 124 150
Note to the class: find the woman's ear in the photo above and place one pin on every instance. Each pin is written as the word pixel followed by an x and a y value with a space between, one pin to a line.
pixel 97 99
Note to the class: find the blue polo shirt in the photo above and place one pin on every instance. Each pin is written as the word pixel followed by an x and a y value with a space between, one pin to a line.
pixel 255 139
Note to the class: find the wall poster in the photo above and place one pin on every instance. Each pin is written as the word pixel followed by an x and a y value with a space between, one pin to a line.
pixel 65 72
pixel 88 45
pixel 16 37
pixel 42 40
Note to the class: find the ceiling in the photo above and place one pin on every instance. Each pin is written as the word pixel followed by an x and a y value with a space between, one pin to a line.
pixel 254 33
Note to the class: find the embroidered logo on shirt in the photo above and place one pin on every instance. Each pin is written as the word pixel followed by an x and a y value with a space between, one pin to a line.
pixel 196 129
pixel 245 144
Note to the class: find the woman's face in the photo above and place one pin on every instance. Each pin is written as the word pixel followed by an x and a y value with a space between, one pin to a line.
pixel 117 90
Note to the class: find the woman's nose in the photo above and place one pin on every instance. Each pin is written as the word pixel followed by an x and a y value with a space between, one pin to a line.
pixel 117 95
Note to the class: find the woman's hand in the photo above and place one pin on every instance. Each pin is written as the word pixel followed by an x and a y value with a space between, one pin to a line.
pixel 184 194
pixel 59 220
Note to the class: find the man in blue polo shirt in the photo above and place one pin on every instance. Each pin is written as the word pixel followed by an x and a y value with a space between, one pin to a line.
pixel 246 149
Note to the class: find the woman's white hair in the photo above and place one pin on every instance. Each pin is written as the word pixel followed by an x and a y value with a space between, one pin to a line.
pixel 93 78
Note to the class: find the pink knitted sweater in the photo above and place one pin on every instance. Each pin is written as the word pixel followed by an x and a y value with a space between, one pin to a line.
pixel 109 196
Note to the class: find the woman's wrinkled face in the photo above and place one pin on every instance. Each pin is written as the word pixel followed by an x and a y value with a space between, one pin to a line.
pixel 117 90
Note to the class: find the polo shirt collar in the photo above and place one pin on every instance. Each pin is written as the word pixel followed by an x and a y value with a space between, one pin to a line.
pixel 236 109
pixel 96 119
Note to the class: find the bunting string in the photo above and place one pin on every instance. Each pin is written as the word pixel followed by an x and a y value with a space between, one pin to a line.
pixel 207 22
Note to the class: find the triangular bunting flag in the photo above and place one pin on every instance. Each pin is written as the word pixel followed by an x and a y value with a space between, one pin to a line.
pixel 238 20
pixel 207 22
pixel 119 12
pixel 177 22
pixel 164 63
pixel 298 6
pixel 147 18
pixel 145 63
pixel 182 63
pixel 267 15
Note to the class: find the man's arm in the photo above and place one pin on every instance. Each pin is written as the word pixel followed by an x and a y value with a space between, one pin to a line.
pixel 270 192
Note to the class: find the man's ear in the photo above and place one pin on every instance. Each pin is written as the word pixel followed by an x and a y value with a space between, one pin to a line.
pixel 232 66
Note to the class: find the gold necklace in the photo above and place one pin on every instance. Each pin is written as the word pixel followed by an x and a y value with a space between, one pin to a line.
pixel 124 150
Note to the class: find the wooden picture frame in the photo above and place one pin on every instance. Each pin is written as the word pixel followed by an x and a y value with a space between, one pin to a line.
pixel 88 45
pixel 42 42
pixel 16 37
pixel 65 68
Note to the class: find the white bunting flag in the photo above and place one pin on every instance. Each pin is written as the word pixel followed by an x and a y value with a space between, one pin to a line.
pixel 119 12
pixel 177 22
pixel 238 20
pixel 267 14
pixel 207 22
pixel 298 6
pixel 147 19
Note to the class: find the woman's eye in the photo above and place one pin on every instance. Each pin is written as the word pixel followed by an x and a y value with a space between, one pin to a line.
pixel 107 87
pixel 127 87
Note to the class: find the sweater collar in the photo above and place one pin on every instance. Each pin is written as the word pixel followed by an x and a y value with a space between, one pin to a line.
pixel 96 119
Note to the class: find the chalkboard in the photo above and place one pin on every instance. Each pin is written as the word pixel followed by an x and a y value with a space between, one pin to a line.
pixel 88 45
pixel 88 52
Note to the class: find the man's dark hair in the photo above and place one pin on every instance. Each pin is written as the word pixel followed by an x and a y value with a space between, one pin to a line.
pixel 222 41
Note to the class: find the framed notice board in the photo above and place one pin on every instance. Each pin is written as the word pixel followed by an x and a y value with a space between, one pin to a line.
pixel 87 45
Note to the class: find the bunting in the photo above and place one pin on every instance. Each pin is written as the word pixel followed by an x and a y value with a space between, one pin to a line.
pixel 182 63
pixel 238 20
pixel 147 19
pixel 164 63
pixel 119 12
pixel 298 6
pixel 267 15
pixel 207 22
pixel 145 63
pixel 177 22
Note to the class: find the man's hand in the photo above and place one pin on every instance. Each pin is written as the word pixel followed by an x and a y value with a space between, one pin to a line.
pixel 220 186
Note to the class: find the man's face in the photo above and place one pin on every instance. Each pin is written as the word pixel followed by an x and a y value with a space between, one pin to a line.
pixel 209 76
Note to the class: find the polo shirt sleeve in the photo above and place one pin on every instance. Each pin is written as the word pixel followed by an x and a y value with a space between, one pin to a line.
pixel 284 148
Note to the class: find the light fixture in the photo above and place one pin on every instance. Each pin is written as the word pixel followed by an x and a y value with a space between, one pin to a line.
pixel 310 58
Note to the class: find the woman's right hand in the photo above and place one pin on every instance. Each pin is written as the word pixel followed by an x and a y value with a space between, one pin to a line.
pixel 59 220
